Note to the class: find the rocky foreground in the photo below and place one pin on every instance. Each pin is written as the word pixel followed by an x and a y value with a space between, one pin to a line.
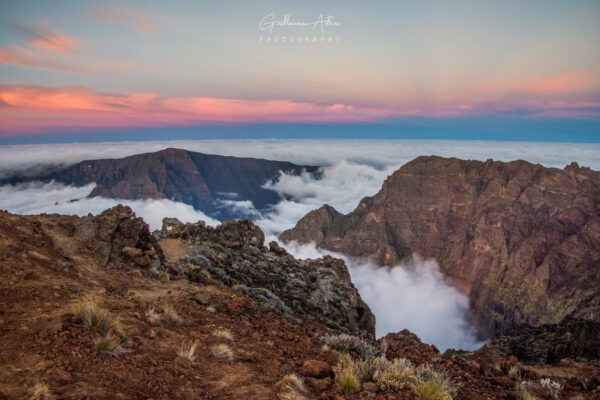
pixel 99 308
pixel 521 240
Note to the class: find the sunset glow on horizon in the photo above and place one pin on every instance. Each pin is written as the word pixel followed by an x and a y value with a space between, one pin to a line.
pixel 95 65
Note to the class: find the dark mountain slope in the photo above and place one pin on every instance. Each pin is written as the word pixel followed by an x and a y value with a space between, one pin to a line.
pixel 200 180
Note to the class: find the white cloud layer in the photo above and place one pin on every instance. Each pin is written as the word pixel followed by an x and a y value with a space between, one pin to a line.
pixel 409 296
pixel 377 153
pixel 49 198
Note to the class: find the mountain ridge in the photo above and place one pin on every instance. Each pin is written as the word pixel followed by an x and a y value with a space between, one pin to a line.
pixel 205 181
pixel 519 239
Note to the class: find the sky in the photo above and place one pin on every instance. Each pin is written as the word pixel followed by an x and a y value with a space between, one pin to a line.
pixel 501 70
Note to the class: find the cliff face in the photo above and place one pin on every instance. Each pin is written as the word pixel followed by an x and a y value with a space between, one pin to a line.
pixel 520 239
pixel 234 253
pixel 200 180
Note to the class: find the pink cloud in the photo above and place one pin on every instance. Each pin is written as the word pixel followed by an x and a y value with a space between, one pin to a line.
pixel 36 108
pixel 23 57
pixel 44 38
pixel 581 81
pixel 130 18
pixel 27 108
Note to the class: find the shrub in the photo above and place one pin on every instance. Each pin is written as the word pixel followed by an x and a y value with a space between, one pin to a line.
pixel 431 389
pixel 344 342
pixel 135 297
pixel 40 391
pixel 188 352
pixel 526 395
pixel 109 344
pixel 171 314
pixel 432 385
pixel 350 373
pixel 293 383
pixel 93 315
pixel 395 375
pixel 153 316
pixel 265 296
pixel 551 387
pixel 513 371
pixel 223 333
pixel 346 380
pixel 222 351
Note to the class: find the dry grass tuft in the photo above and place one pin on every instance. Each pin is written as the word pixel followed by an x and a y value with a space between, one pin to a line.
pixel 171 314
pixel 294 383
pixel 393 375
pixel 345 343
pixel 222 351
pixel 526 395
pixel 349 373
pixel 93 315
pixel 41 391
pixel 223 333
pixel 109 344
pixel 153 316
pixel 188 351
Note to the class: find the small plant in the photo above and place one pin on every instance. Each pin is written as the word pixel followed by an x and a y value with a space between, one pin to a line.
pixel 222 351
pixel 41 391
pixel 135 297
pixel 527 395
pixel 93 315
pixel 293 383
pixel 223 333
pixel 514 372
pixel 349 373
pixel 171 314
pixel 188 351
pixel 344 342
pixel 211 309
pixel 395 375
pixel 551 387
pixel 346 380
pixel 153 316
pixel 109 344
pixel 432 385
pixel 431 389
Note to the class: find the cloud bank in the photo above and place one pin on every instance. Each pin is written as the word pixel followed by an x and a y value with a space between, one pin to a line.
pixel 409 296
pixel 37 198
pixel 379 154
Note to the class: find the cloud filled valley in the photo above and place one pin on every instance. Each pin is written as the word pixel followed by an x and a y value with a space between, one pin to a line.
pixel 410 296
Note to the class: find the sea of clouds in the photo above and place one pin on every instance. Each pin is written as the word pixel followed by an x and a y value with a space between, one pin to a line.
pixel 411 296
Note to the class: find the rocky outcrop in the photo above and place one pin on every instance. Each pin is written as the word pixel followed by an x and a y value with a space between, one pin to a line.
pixel 234 253
pixel 520 239
pixel 115 238
pixel 204 181
pixel 547 344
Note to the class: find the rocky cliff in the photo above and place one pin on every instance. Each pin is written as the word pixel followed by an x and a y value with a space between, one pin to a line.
pixel 520 239
pixel 234 253
pixel 201 180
